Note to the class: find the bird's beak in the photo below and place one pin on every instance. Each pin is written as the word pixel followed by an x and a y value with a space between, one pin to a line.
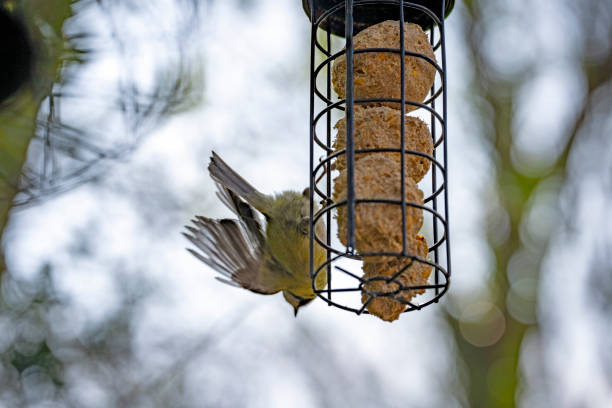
pixel 295 310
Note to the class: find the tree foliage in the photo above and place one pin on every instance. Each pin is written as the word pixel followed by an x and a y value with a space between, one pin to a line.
pixel 527 202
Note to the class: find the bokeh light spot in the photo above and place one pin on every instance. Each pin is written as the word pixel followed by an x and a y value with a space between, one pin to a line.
pixel 482 324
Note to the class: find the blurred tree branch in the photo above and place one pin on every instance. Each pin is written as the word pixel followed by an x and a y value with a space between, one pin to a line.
pixel 43 151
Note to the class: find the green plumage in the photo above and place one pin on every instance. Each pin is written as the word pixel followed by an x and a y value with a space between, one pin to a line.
pixel 263 261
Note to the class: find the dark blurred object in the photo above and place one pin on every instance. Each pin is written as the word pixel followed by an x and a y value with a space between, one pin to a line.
pixel 16 54
pixel 373 13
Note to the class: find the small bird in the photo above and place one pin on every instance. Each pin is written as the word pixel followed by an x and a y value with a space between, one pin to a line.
pixel 263 262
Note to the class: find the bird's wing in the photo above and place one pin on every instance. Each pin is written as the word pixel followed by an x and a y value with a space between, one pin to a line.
pixel 230 180
pixel 224 245
pixel 245 212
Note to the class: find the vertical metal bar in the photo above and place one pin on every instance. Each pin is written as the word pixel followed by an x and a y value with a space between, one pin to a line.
pixel 403 126
pixel 350 147
pixel 445 132
pixel 313 34
pixel 434 170
pixel 328 172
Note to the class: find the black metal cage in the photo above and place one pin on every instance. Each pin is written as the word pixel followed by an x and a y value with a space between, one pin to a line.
pixel 347 287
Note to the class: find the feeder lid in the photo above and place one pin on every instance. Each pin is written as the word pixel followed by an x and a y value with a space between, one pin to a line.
pixel 367 15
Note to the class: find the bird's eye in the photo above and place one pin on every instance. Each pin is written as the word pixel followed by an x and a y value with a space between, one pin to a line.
pixel 304 225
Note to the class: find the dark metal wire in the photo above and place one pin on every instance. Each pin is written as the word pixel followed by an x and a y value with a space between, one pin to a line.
pixel 323 155
pixel 328 170
pixel 313 38
pixel 350 121
pixel 434 179
pixel 445 109
pixel 402 125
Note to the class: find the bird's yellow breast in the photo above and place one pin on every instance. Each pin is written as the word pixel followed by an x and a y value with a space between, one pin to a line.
pixel 292 250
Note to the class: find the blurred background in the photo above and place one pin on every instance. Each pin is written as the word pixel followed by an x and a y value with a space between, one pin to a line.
pixel 107 119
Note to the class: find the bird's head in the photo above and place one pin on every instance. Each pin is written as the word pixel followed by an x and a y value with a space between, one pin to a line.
pixel 295 300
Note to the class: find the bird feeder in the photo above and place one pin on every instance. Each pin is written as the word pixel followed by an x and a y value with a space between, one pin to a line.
pixel 378 161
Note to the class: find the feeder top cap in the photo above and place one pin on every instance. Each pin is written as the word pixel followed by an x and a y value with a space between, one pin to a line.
pixel 367 13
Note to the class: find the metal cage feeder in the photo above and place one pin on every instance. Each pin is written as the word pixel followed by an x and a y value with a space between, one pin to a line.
pixel 349 287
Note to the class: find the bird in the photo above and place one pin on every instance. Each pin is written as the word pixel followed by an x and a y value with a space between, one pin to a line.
pixel 247 255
